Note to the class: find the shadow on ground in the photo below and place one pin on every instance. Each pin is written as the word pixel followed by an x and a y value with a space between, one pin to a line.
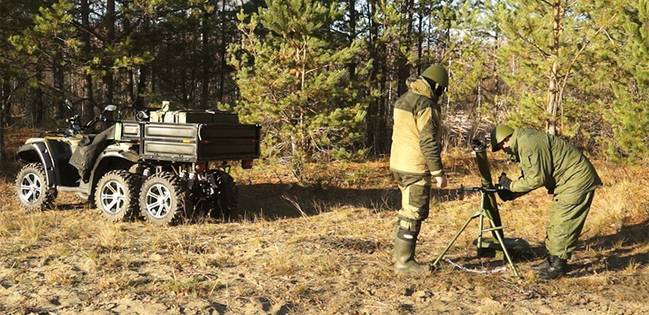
pixel 273 201
pixel 619 250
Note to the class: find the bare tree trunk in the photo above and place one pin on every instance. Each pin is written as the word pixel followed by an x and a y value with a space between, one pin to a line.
pixel 37 103
pixel 154 85
pixel 223 53
pixel 384 132
pixel 6 107
pixel 184 91
pixel 494 70
pixel 143 73
pixel 371 121
pixel 352 37
pixel 130 87
pixel 553 100
pixel 5 101
pixel 3 155
pixel 141 87
pixel 207 61
pixel 403 67
pixel 420 36
pixel 128 30
pixel 554 97
pixel 449 23
pixel 59 85
pixel 110 40
pixel 87 107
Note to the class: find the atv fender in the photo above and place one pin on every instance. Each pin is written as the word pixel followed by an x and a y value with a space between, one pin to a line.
pixel 38 152
pixel 112 159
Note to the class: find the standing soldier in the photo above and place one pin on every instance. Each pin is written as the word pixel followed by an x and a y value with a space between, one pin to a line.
pixel 549 161
pixel 414 159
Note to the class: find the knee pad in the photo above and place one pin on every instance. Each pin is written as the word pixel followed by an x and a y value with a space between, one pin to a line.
pixel 415 200
pixel 408 229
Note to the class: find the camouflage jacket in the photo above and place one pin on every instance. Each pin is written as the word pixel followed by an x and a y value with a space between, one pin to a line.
pixel 415 134
pixel 549 161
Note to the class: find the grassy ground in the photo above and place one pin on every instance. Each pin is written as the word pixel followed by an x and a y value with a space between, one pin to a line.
pixel 320 249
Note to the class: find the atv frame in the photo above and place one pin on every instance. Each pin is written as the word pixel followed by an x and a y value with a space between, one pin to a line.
pixel 162 172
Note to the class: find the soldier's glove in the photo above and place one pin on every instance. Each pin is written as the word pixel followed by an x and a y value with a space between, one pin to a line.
pixel 504 182
pixel 506 195
pixel 504 189
pixel 441 181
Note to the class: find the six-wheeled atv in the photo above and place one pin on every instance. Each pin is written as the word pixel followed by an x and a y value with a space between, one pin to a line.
pixel 164 165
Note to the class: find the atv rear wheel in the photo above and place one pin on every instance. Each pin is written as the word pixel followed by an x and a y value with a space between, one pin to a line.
pixel 32 190
pixel 116 195
pixel 226 199
pixel 163 198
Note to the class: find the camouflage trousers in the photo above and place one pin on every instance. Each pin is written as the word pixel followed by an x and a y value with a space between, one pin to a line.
pixel 565 223
pixel 415 200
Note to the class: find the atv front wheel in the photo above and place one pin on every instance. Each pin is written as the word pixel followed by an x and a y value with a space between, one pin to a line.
pixel 32 190
pixel 163 197
pixel 116 195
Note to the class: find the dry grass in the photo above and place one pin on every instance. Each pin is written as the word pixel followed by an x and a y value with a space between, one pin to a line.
pixel 323 249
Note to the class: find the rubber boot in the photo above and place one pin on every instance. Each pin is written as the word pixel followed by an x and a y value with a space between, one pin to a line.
pixel 557 267
pixel 545 264
pixel 404 257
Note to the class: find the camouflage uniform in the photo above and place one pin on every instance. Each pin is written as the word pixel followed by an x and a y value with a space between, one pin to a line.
pixel 415 157
pixel 549 161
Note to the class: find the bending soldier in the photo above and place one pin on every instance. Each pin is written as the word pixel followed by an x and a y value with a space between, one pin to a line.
pixel 546 160
pixel 415 159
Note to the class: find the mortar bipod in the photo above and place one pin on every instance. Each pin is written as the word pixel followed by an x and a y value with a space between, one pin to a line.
pixel 481 214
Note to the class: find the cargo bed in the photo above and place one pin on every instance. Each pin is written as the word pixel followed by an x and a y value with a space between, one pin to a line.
pixel 193 142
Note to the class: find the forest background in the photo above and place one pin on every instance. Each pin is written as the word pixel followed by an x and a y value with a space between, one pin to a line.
pixel 321 76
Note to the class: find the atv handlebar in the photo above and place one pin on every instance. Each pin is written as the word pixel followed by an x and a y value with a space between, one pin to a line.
pixel 76 127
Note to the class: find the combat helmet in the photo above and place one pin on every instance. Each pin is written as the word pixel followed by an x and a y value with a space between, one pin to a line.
pixel 499 134
pixel 437 73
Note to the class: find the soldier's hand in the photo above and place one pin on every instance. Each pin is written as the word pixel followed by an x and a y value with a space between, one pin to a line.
pixel 504 182
pixel 441 181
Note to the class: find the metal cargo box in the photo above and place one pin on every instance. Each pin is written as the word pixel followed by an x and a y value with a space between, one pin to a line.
pixel 170 142
pixel 197 142
pixel 229 142
pixel 192 116
pixel 127 131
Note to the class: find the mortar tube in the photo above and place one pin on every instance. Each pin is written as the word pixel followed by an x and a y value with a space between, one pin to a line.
pixel 489 199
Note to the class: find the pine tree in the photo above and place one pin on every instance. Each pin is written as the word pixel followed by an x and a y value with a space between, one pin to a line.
pixel 293 79
pixel 543 43
pixel 629 114
pixel 475 83
pixel 42 46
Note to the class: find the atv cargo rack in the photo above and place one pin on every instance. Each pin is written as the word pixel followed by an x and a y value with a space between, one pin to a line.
pixel 192 142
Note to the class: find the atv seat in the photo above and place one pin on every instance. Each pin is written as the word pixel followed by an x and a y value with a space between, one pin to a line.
pixel 89 149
